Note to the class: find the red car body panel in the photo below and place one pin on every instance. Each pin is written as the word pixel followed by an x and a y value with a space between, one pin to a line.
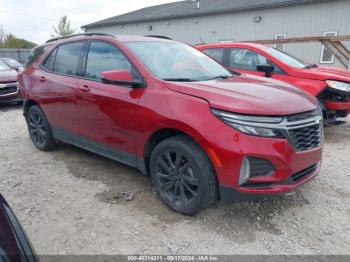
pixel 310 80
pixel 127 118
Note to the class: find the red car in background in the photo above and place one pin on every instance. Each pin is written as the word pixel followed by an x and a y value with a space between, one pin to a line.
pixel 330 85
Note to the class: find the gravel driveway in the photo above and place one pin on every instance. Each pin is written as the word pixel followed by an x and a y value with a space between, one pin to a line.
pixel 74 202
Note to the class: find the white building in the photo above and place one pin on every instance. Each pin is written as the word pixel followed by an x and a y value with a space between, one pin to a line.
pixel 211 21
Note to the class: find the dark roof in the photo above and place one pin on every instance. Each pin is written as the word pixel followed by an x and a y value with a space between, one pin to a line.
pixel 188 8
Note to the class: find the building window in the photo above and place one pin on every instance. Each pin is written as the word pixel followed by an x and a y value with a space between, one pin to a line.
pixel 280 46
pixel 227 41
pixel 327 56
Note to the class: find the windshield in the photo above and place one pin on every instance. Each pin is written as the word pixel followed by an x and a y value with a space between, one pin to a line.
pixel 174 61
pixel 4 66
pixel 284 57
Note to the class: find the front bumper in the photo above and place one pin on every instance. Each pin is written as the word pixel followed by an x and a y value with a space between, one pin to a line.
pixel 10 94
pixel 230 195
pixel 332 105
pixel 231 147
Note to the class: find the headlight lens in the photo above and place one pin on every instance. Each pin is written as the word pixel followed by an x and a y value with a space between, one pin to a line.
pixel 338 85
pixel 251 125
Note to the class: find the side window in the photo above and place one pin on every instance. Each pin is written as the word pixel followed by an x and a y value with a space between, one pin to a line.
pixel 67 58
pixel 105 57
pixel 327 56
pixel 216 53
pixel 50 60
pixel 248 60
pixel 245 59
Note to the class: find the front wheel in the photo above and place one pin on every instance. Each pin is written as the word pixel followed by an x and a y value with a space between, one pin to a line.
pixel 39 129
pixel 183 175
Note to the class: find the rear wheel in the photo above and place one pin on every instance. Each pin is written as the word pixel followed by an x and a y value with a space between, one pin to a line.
pixel 39 129
pixel 182 175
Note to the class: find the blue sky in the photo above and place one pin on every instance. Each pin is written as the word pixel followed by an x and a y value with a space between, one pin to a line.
pixel 34 19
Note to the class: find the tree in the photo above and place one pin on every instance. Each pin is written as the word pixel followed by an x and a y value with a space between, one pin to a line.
pixel 11 41
pixel 63 28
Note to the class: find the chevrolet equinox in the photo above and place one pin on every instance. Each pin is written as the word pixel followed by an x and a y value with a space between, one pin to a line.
pixel 202 133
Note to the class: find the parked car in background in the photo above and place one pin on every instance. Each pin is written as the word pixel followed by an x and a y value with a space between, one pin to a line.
pixel 166 108
pixel 9 91
pixel 330 85
pixel 14 64
pixel 15 246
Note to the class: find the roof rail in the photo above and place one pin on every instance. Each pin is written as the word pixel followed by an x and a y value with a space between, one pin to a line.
pixel 87 34
pixel 159 36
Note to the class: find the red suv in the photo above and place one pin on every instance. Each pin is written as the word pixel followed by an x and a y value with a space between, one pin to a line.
pixel 174 113
pixel 330 85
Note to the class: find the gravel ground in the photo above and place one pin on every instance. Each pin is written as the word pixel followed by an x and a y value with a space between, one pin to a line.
pixel 72 202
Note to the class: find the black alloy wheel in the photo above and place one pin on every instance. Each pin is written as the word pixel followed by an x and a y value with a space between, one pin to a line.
pixel 39 129
pixel 183 175
pixel 178 182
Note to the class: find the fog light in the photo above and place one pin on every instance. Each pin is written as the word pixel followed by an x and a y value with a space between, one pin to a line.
pixel 245 171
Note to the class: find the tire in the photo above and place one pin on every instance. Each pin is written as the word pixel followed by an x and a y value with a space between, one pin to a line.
pixel 183 175
pixel 39 129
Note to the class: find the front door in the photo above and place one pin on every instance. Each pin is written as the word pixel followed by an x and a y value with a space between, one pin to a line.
pixel 107 113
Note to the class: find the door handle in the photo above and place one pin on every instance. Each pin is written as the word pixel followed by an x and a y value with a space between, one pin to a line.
pixel 42 79
pixel 84 88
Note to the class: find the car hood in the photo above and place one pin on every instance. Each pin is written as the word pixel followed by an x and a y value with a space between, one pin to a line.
pixel 249 94
pixel 8 76
pixel 323 73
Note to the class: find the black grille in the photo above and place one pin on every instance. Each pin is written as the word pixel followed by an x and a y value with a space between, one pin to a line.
pixel 260 167
pixel 303 173
pixel 302 116
pixel 306 138
pixel 8 90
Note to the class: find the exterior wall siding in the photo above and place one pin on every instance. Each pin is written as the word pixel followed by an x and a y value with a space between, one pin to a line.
pixel 295 21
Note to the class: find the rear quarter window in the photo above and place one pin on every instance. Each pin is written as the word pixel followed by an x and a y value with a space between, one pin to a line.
pixel 35 54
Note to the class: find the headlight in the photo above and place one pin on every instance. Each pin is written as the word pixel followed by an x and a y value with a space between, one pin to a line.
pixel 251 125
pixel 338 85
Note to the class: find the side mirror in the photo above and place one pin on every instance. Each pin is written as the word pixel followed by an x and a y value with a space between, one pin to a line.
pixel 267 69
pixel 120 77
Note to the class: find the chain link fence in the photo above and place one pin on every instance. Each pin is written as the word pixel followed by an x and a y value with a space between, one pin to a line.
pixel 19 54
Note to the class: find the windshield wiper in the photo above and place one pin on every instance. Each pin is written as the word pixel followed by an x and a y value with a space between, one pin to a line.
pixel 180 79
pixel 219 77
pixel 310 66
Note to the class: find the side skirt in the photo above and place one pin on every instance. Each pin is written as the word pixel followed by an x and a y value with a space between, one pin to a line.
pixel 98 148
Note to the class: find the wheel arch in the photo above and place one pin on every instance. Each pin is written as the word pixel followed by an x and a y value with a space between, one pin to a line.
pixel 164 133
pixel 27 104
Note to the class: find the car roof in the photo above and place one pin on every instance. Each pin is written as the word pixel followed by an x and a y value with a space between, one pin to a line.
pixel 102 36
pixel 226 45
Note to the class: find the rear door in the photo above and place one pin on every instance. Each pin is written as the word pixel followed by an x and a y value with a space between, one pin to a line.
pixel 56 85
pixel 107 113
